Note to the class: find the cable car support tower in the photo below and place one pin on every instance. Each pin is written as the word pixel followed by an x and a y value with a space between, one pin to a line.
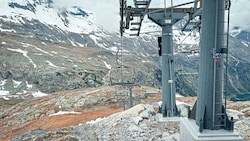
pixel 132 17
pixel 208 119
pixel 208 115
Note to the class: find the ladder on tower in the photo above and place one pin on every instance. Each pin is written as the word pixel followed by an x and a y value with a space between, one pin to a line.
pixel 132 17
pixel 141 7
pixel 218 55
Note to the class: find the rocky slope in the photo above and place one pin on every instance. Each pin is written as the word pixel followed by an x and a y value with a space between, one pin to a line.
pixel 84 115
pixel 54 66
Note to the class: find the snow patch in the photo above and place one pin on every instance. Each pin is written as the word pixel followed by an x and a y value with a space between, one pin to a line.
pixel 7 30
pixel 6 98
pixel 24 52
pixel 113 49
pixel 2 83
pixel 73 44
pixel 107 65
pixel 61 47
pixel 145 61
pixel 43 43
pixel 94 121
pixel 28 85
pixel 95 39
pixel 16 83
pixel 43 51
pixel 64 113
pixel 3 93
pixel 52 65
pixel 54 52
pixel 39 94
pixel 26 45
pixel 39 49
pixel 81 45
pixel 245 43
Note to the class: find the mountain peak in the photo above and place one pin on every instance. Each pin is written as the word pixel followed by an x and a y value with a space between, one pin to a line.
pixel 70 19
pixel 27 6
pixel 30 4
pixel 77 11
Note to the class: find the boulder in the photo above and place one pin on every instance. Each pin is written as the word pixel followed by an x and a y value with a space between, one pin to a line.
pixel 134 128
pixel 137 119
pixel 144 114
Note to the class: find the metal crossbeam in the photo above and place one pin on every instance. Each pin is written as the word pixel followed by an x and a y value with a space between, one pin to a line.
pixel 129 14
pixel 141 3
pixel 168 10
pixel 141 8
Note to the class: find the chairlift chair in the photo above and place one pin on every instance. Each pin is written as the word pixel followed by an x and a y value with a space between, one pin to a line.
pixel 122 75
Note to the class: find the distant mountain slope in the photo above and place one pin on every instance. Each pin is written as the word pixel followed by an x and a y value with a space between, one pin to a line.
pixel 241 35
pixel 64 48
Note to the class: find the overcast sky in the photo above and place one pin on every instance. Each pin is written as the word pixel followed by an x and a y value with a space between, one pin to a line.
pixel 240 13
pixel 107 11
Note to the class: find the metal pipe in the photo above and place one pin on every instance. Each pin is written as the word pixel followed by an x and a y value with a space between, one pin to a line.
pixel 171 7
pixel 214 84
pixel 167 60
pixel 220 44
pixel 165 7
pixel 206 72
pixel 130 97
pixel 226 71
pixel 172 93
pixel 214 53
pixel 171 88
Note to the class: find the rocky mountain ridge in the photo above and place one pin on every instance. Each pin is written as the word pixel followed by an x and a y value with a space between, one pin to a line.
pixel 97 114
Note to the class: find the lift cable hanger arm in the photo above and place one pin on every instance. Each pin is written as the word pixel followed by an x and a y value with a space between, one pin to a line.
pixel 130 14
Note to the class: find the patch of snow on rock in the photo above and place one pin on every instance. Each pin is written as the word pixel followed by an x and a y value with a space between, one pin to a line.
pixel 38 94
pixel 52 65
pixel 25 54
pixel 94 121
pixel 64 113
pixel 3 93
pixel 107 65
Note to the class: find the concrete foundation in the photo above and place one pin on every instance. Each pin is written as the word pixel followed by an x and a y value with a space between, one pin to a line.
pixel 189 131
pixel 160 118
